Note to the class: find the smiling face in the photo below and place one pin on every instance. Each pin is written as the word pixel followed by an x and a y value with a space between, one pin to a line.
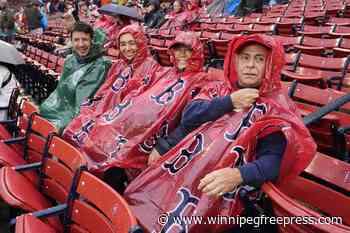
pixel 81 43
pixel 182 54
pixel 128 46
pixel 250 65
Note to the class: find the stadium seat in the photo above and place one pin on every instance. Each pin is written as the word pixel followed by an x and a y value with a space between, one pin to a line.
pixel 56 171
pixel 88 210
pixel 317 70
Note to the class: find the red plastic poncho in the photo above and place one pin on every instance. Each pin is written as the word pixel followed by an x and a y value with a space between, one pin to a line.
pixel 179 20
pixel 125 134
pixel 122 79
pixel 170 185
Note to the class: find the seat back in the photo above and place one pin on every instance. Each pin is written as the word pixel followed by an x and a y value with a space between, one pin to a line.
pixel 318 42
pixel 36 135
pixel 60 161
pixel 96 208
pixel 345 43
pixel 300 198
pixel 323 63
pixel 324 130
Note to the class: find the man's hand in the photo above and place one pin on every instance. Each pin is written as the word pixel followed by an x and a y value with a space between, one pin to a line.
pixel 220 181
pixel 244 98
pixel 153 157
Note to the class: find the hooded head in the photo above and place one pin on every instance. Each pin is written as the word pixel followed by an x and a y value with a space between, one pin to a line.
pixel 132 43
pixel 191 41
pixel 255 59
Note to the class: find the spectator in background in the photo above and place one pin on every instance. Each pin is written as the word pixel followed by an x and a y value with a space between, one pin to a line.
pixel 7 22
pixel 61 6
pixel 181 16
pixel 33 17
pixel 246 7
pixel 68 21
pixel 20 20
pixel 154 17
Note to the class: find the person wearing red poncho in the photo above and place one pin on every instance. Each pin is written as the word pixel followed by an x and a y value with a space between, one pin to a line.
pixel 201 175
pixel 124 133
pixel 181 17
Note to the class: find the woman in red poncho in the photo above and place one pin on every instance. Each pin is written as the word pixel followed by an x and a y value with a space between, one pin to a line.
pixel 181 16
pixel 124 135
pixel 204 169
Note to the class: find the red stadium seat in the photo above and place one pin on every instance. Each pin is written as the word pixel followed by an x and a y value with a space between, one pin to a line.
pixel 57 167
pixel 316 31
pixel 317 46
pixel 288 26
pixel 305 198
pixel 339 31
pixel 317 70
pixel 324 131
pixel 20 121
pixel 93 207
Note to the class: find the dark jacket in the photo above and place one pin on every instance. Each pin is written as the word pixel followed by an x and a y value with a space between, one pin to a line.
pixel 7 19
pixel 155 19
pixel 269 149
pixel 249 6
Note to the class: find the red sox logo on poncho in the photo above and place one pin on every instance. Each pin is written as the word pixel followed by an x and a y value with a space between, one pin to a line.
pixel 117 111
pixel 256 112
pixel 121 80
pixel 169 93
pixel 83 133
pixel 148 144
pixel 185 156
pixel 187 200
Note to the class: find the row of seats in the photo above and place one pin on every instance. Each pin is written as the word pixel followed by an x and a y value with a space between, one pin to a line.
pixel 39 76
pixel 62 181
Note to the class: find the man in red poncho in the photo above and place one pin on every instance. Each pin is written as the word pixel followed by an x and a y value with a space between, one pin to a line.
pixel 125 133
pixel 206 169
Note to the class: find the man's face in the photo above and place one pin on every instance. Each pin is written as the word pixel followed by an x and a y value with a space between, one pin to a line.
pixel 182 54
pixel 250 64
pixel 128 46
pixel 81 43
